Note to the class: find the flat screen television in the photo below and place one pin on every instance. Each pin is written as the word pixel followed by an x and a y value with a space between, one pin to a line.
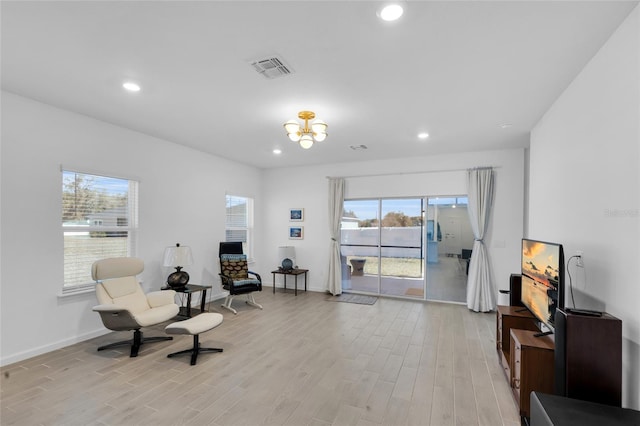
pixel 542 279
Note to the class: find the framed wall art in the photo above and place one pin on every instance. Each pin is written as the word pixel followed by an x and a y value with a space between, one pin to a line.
pixel 296 215
pixel 296 232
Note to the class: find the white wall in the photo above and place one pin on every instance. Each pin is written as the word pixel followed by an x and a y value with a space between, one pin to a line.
pixel 182 199
pixel 585 187
pixel 307 187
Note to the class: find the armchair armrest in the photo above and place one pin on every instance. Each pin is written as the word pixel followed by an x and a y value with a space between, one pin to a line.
pixel 117 318
pixel 256 275
pixel 161 298
pixel 109 309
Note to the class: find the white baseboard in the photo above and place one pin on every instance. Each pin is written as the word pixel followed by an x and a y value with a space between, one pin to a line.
pixel 21 356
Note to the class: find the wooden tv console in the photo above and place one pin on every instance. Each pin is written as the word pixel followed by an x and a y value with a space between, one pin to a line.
pixel 532 366
pixel 516 317
pixel 584 356
pixel 527 361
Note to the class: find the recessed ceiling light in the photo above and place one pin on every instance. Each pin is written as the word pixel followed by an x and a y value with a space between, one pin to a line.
pixel 131 86
pixel 390 12
pixel 277 151
pixel 505 125
pixel 423 135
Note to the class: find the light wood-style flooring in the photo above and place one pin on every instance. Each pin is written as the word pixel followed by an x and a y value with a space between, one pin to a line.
pixel 301 361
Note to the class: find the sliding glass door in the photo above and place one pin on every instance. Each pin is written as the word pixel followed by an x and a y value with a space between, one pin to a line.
pixel 401 250
pixel 360 248
pixel 382 246
pixel 406 247
pixel 449 243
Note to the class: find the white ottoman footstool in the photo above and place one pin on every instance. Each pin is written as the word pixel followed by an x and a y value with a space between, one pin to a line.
pixel 194 326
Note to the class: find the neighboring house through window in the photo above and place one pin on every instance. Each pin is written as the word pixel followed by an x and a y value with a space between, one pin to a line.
pixel 99 220
pixel 239 223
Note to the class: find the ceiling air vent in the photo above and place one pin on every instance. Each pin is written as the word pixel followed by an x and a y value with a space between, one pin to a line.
pixel 271 67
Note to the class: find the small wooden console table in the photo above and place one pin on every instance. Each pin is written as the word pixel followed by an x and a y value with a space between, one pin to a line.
pixel 295 273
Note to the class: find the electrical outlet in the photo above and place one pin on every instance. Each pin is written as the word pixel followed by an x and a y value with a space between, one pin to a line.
pixel 580 262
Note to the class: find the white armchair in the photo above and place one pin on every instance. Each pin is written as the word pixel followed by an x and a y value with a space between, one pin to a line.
pixel 124 306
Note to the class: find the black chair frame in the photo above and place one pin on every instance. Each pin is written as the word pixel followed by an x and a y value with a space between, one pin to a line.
pixel 135 343
pixel 195 350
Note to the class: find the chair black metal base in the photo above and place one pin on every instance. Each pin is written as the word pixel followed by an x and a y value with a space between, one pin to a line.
pixel 135 343
pixel 195 350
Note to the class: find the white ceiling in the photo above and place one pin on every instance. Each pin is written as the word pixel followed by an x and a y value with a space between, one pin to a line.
pixel 458 70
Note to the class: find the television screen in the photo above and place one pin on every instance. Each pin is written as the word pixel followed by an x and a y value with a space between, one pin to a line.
pixel 542 279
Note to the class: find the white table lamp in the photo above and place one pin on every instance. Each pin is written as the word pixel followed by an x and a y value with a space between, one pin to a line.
pixel 284 253
pixel 177 257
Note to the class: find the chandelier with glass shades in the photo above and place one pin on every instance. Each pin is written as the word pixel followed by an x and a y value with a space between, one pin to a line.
pixel 306 136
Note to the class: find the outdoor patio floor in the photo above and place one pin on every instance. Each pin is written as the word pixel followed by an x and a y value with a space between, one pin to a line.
pixel 446 281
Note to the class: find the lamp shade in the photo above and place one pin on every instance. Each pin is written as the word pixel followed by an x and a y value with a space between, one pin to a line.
pixel 294 137
pixel 292 126
pixel 319 137
pixel 177 256
pixel 293 130
pixel 319 127
pixel 306 141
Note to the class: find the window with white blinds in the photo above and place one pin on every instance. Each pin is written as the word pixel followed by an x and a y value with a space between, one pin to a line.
pixel 239 223
pixel 99 220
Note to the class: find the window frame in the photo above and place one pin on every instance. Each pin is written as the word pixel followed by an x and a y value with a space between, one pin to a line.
pixel 249 218
pixel 97 225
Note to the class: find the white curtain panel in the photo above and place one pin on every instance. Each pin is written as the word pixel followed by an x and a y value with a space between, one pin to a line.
pixel 481 296
pixel 336 205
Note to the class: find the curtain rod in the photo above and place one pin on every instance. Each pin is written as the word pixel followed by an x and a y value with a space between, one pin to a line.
pixel 414 173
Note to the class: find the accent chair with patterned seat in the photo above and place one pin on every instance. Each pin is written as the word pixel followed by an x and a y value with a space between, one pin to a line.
pixel 235 275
